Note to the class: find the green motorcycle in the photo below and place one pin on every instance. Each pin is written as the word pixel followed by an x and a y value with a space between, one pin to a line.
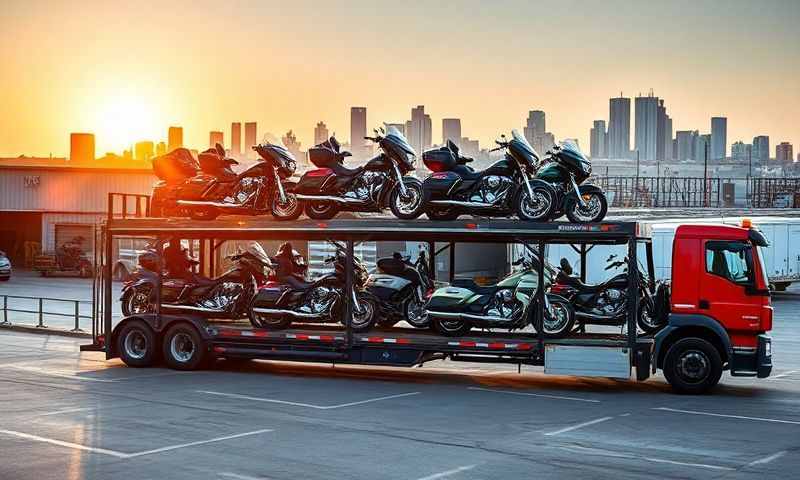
pixel 510 304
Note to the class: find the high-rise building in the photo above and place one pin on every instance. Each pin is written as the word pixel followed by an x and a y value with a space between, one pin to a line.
pixel 719 138
pixel 320 133
pixel 646 127
pixel 702 147
pixel 783 152
pixel 358 130
pixel 161 148
pixel 419 131
pixel 685 141
pixel 143 151
pixel 174 138
pixel 740 152
pixel 544 143
pixel 598 140
pixel 669 141
pixel 236 139
pixel 214 138
pixel 81 147
pixel 535 126
pixel 619 127
pixel 250 138
pixel 451 130
pixel 663 133
pixel 761 148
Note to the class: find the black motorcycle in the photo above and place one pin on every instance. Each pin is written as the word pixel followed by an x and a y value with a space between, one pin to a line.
pixel 402 289
pixel 226 296
pixel 566 169
pixel 382 181
pixel 509 304
pixel 211 188
pixel 505 188
pixel 276 306
pixel 606 303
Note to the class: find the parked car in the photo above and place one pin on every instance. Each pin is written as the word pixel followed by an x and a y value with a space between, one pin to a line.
pixel 5 267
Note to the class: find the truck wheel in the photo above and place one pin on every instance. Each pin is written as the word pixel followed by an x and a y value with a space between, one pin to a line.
pixel 692 366
pixel 451 327
pixel 184 349
pixel 136 345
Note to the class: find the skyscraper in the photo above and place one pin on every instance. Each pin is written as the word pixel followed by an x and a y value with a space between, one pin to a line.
pixel 81 147
pixel 740 152
pixel 320 133
pixel 451 130
pixel 535 126
pixel 358 130
pixel 419 130
pixel 646 127
pixel 598 140
pixel 783 153
pixel 719 138
pixel 174 138
pixel 619 127
pixel 214 138
pixel 663 133
pixel 236 139
pixel 761 148
pixel 685 140
pixel 161 148
pixel 143 151
pixel 250 138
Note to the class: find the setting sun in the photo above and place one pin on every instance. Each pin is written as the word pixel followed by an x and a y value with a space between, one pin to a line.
pixel 123 118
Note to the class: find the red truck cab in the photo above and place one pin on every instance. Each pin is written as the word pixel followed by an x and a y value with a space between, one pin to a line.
pixel 719 307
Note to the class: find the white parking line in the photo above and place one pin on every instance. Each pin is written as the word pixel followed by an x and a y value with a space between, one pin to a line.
pixel 236 476
pixel 633 456
pixel 739 417
pixel 306 405
pixel 542 395
pixel 580 425
pixel 114 453
pixel 767 459
pixel 448 473
pixel 66 410
pixel 784 374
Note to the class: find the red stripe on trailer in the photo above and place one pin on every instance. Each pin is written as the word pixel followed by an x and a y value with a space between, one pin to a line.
pixel 301 336
pixel 524 346
pixel 326 338
pixel 466 344
pixel 229 333
pixel 219 349
pixel 375 339
pixel 403 341
pixel 497 346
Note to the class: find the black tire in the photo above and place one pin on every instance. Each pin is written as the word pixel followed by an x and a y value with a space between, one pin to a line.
pixel 424 322
pixel 137 345
pixel 542 209
pixel 692 366
pixel 451 327
pixel 559 321
pixel 414 192
pixel 184 349
pixel 203 213
pixel 648 321
pixel 260 320
pixel 442 214
pixel 290 210
pixel 126 302
pixel 574 210
pixel 369 314
pixel 321 210
pixel 781 286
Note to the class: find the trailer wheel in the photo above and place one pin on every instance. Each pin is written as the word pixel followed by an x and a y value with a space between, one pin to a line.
pixel 692 366
pixel 184 349
pixel 136 344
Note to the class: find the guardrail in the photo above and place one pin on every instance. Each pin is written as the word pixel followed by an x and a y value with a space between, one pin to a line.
pixel 40 312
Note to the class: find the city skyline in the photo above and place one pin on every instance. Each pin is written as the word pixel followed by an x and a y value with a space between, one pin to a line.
pixel 93 86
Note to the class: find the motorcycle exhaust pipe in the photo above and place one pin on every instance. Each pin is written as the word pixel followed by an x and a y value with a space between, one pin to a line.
pixel 291 313
pixel 192 308
pixel 460 203
pixel 326 198
pixel 200 203
pixel 468 317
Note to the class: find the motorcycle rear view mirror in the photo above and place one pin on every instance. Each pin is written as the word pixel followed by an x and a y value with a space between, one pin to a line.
pixel 565 266
pixel 220 150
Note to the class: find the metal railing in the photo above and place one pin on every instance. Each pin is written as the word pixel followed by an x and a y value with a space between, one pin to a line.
pixel 40 311
pixel 776 192
pixel 654 192
pixel 140 204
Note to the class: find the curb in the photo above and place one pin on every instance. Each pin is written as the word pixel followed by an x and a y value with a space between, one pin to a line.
pixel 45 331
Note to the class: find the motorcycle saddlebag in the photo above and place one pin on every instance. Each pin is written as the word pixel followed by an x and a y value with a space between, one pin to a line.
pixel 312 181
pixel 440 183
pixel 439 159
pixel 267 297
pixel 450 299
pixel 175 166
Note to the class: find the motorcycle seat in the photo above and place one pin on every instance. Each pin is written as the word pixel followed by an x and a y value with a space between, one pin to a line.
pixel 470 284
pixel 343 171
pixel 467 173
pixel 582 287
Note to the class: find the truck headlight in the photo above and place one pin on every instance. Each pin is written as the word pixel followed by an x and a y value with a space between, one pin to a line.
pixel 768 349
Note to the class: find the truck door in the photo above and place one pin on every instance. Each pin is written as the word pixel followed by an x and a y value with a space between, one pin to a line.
pixel 726 283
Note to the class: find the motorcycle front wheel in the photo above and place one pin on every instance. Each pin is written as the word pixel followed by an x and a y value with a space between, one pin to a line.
pixel 321 210
pixel 536 208
pixel 364 313
pixel 558 319
pixel 290 209
pixel 415 313
pixel 136 301
pixel 594 210
pixel 410 205
pixel 648 321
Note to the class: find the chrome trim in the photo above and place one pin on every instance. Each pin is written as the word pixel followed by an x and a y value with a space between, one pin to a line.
pixel 328 198
pixel 403 189
pixel 469 316
pixel 281 191
pixel 461 203
pixel 192 307
pixel 201 203
pixel 577 190
pixel 279 311
pixel 684 305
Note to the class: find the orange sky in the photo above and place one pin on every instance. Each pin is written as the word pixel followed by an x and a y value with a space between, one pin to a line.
pixel 128 70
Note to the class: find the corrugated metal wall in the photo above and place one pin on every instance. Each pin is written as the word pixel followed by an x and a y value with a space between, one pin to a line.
pixel 50 220
pixel 67 190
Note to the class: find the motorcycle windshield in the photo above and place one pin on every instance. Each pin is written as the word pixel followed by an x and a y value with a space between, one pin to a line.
pixel 395 145
pixel 520 149
pixel 571 151
pixel 257 251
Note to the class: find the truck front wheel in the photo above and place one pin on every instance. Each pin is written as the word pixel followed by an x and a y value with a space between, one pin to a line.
pixel 692 366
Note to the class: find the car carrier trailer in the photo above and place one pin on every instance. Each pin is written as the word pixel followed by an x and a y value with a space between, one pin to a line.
pixel 581 354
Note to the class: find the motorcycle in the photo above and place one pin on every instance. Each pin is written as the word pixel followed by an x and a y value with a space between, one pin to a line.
pixel 204 191
pixel 566 169
pixel 402 289
pixel 380 182
pixel 505 188
pixel 227 296
pixel 509 304
pixel 606 303
pixel 275 306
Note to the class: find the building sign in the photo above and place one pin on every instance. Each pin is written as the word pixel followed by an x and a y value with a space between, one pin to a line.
pixel 32 181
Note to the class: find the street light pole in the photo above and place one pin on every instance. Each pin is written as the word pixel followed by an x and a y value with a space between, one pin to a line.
pixel 705 174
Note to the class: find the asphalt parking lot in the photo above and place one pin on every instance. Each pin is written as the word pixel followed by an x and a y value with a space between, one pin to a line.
pixel 75 415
